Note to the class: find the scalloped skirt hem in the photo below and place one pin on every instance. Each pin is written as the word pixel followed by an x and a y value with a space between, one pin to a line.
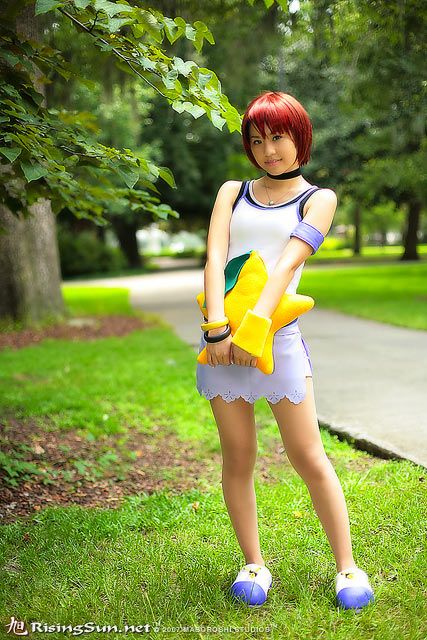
pixel 292 364
pixel 274 398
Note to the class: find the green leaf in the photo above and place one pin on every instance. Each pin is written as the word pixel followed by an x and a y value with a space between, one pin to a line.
pixel 129 175
pixel 177 106
pixel 114 24
pixel 169 78
pixel 166 174
pixel 14 105
pixel 181 24
pixel 9 57
pixel 194 109
pixel 190 32
pixel 147 23
pixel 9 90
pixel 43 6
pixel 111 8
pixel 11 153
pixel 33 171
pixel 35 95
pixel 184 68
pixel 217 120
pixel 146 63
pixel 203 76
pixel 171 29
pixel 203 29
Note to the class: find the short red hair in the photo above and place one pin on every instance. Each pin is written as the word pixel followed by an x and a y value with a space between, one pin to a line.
pixel 283 114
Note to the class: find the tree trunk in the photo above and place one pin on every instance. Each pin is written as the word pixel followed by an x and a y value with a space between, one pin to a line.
pixel 411 240
pixel 357 223
pixel 30 275
pixel 100 234
pixel 126 235
pixel 29 266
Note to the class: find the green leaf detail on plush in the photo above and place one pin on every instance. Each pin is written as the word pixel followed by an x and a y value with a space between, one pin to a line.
pixel 231 272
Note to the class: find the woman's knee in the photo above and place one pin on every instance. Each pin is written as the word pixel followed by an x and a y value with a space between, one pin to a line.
pixel 311 465
pixel 240 460
pixel 237 432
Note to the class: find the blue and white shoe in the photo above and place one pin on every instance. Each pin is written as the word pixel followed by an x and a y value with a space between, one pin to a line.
pixel 353 590
pixel 252 584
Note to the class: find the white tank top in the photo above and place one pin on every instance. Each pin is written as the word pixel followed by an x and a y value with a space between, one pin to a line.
pixel 265 228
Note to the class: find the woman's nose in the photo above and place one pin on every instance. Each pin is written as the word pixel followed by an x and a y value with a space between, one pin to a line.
pixel 269 148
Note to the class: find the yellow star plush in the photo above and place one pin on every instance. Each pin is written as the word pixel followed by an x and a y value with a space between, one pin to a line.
pixel 245 278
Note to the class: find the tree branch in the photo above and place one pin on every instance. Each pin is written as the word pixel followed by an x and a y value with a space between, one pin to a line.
pixel 116 51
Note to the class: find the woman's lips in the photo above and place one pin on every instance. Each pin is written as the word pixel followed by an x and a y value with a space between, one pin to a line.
pixel 272 161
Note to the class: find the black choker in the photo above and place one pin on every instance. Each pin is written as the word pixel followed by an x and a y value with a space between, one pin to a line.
pixel 286 175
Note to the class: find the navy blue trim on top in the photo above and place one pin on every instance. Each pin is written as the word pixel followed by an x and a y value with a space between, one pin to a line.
pixel 239 195
pixel 303 201
pixel 251 201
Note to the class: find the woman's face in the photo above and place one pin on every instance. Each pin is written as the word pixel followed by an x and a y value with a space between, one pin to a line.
pixel 278 146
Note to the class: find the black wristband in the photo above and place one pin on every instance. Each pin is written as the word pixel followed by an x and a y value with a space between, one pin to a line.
pixel 219 337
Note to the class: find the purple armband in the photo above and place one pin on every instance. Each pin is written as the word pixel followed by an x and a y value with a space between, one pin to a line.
pixel 308 233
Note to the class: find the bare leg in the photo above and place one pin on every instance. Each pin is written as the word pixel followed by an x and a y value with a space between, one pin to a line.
pixel 301 438
pixel 236 426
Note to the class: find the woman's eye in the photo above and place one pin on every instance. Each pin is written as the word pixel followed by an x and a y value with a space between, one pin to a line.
pixel 275 136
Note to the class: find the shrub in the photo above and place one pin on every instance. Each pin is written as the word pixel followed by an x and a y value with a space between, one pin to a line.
pixel 84 253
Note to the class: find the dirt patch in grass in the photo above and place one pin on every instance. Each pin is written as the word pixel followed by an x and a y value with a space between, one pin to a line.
pixel 357 464
pixel 133 463
pixel 82 328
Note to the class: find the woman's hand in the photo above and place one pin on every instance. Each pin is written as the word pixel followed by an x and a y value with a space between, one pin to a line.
pixel 226 353
pixel 242 357
pixel 219 352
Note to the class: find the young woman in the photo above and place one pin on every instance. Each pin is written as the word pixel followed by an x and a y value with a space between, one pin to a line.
pixel 284 218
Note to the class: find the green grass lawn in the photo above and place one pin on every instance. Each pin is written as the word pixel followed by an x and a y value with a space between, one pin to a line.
pixel 97 300
pixel 395 293
pixel 169 557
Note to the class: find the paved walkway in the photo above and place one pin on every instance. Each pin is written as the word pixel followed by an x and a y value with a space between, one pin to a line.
pixel 370 379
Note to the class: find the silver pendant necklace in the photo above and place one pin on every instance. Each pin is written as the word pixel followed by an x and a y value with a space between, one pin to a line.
pixel 270 201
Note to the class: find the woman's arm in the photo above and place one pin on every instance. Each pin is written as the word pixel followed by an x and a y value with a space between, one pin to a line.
pixel 214 283
pixel 217 251
pixel 320 215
